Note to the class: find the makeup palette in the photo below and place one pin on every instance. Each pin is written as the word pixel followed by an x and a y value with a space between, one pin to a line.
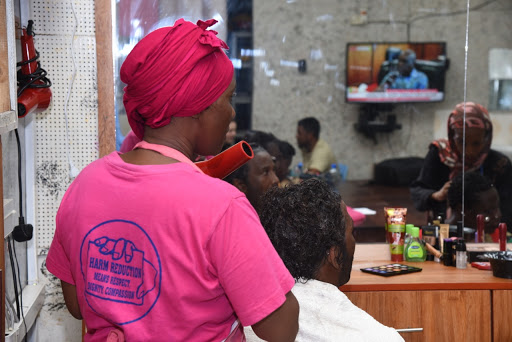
pixel 391 269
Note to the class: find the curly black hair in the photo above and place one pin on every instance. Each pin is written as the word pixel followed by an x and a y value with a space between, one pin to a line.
pixel 304 221
pixel 261 138
pixel 474 185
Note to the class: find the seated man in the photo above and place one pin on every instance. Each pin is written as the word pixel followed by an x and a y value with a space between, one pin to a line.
pixel 406 76
pixel 317 156
pixel 480 197
pixel 310 229
pixel 255 177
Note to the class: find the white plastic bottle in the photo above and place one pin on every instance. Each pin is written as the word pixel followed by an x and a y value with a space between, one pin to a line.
pixel 334 175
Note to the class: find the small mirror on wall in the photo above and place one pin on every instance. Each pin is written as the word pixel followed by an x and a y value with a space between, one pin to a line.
pixel 500 79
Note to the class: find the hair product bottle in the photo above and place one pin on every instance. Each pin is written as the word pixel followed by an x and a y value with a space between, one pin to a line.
pixel 415 249
pixel 462 258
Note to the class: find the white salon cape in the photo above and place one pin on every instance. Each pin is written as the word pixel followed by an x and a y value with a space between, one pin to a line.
pixel 326 314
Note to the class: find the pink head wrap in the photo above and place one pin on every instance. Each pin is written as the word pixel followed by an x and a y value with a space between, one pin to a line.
pixel 174 71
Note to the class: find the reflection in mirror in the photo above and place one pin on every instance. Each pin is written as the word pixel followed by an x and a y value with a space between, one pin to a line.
pixel 269 41
pixel 136 18
pixel 500 79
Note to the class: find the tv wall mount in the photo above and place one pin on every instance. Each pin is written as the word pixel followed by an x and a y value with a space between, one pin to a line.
pixel 369 123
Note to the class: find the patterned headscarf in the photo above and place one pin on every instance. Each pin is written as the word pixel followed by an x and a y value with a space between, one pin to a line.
pixel 476 117
pixel 174 71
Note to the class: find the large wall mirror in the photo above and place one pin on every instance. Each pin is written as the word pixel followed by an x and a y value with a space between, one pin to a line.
pixel 291 62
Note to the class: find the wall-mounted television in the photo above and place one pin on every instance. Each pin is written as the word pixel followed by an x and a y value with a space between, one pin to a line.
pixel 399 72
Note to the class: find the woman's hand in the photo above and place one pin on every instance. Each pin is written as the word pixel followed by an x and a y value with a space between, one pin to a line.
pixel 442 193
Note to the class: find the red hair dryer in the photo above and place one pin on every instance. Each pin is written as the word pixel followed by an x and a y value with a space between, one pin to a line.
pixel 34 94
pixel 227 161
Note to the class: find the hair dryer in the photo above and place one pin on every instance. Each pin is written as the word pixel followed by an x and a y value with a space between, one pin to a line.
pixel 227 161
pixel 34 94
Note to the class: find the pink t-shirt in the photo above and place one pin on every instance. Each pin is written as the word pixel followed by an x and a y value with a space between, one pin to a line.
pixel 164 252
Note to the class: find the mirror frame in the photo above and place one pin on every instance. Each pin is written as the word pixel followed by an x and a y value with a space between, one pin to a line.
pixel 105 77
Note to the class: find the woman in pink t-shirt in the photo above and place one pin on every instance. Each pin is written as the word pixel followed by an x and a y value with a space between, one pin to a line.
pixel 146 245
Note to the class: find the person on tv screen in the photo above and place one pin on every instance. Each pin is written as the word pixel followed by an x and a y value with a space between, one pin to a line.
pixel 405 76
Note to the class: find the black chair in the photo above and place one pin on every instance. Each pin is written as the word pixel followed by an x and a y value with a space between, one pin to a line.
pixel 392 53
pixel 435 71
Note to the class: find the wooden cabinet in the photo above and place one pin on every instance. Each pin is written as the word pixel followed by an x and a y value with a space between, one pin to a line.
pixel 449 304
pixel 502 315
pixel 443 315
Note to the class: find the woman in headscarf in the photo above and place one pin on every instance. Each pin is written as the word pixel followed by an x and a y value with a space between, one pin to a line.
pixel 149 247
pixel 444 161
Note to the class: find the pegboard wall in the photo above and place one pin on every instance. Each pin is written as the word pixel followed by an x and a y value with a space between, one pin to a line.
pixel 64 29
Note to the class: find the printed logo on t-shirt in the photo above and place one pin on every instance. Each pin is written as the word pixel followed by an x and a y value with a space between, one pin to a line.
pixel 121 269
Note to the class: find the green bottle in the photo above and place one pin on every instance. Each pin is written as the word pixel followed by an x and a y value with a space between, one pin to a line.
pixel 408 233
pixel 415 248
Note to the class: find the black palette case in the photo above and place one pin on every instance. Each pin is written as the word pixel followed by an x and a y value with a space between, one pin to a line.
pixel 391 269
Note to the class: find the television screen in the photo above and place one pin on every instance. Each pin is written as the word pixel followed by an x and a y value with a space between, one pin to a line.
pixel 395 72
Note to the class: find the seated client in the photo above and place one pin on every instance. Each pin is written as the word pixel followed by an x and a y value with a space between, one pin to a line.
pixel 480 197
pixel 309 226
pixel 256 176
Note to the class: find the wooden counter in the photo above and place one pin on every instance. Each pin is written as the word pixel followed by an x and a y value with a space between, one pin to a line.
pixel 434 276
pixel 446 303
